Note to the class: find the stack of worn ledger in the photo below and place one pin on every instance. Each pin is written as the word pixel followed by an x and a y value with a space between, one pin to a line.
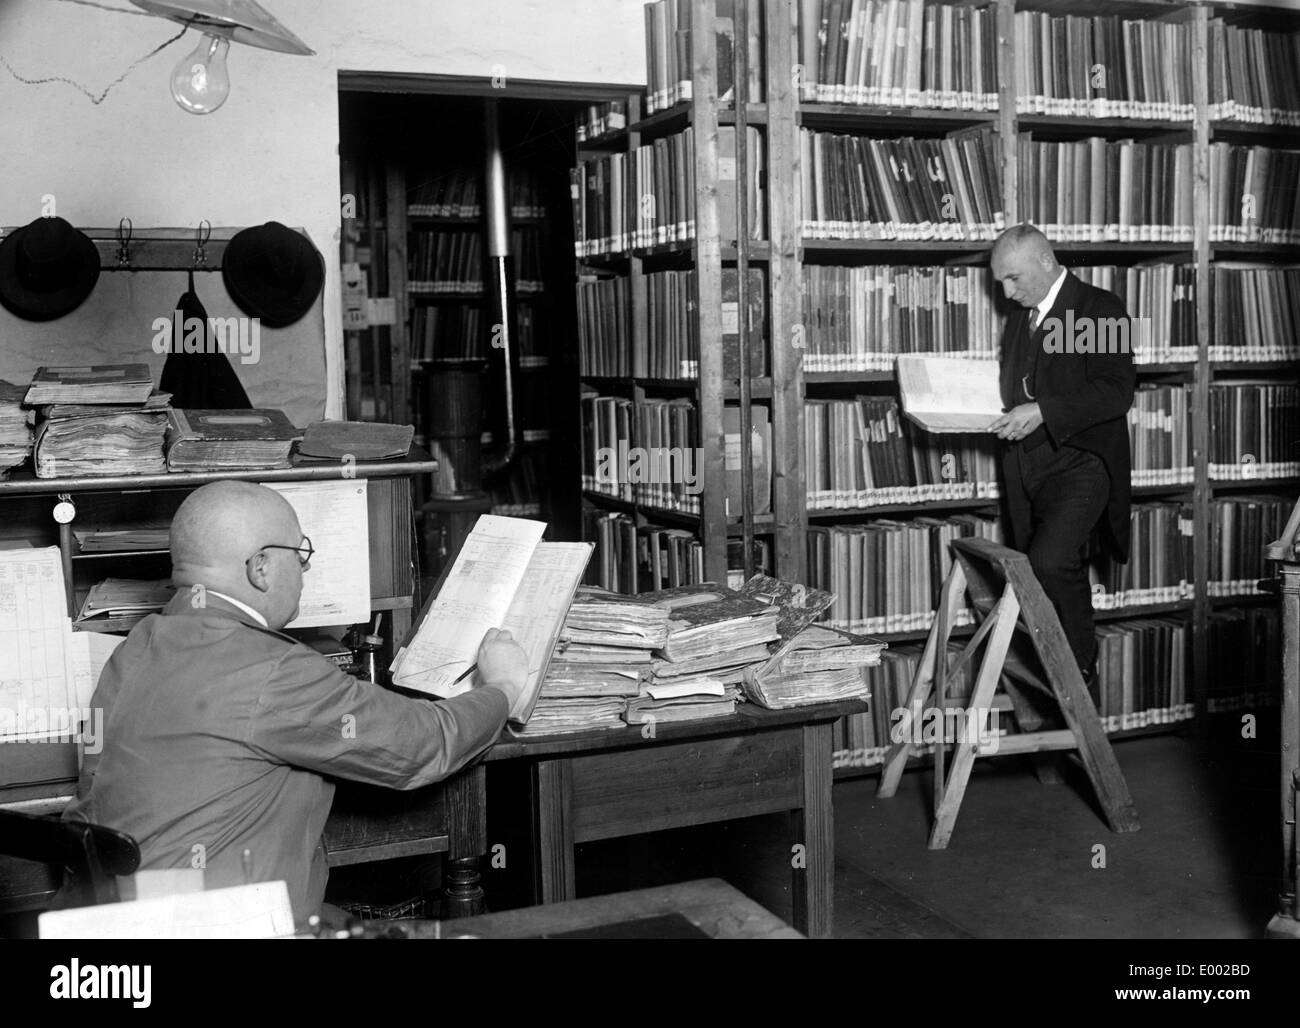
pixel 97 430
pixel 601 660
pixel 818 665
pixel 15 427
pixel 714 633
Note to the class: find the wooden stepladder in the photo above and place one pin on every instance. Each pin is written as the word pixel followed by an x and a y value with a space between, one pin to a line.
pixel 1006 596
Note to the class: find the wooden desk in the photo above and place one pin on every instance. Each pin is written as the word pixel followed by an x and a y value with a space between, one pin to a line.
pixel 609 784
pixel 710 904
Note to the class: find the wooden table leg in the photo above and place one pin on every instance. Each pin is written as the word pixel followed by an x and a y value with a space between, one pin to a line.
pixel 462 892
pixel 553 831
pixel 467 830
pixel 814 882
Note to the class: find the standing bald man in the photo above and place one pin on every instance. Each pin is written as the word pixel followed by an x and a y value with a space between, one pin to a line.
pixel 222 735
pixel 1066 462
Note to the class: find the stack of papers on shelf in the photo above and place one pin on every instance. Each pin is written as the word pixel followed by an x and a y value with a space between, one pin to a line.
pixel 102 439
pixel 96 384
pixel 685 701
pixel 120 540
pixel 818 665
pixel 124 597
pixel 15 427
pixel 217 440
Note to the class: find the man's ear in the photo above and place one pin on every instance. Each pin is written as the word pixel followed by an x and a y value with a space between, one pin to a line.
pixel 255 571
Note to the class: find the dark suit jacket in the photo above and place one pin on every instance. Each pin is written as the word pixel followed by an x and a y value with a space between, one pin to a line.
pixel 221 735
pixel 1084 397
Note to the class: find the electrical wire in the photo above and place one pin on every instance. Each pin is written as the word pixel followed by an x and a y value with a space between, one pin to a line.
pixel 77 85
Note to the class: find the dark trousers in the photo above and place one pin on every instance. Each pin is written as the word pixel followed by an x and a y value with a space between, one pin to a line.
pixel 1065 492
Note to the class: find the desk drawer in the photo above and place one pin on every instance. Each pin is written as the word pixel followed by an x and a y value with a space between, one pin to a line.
pixel 626 792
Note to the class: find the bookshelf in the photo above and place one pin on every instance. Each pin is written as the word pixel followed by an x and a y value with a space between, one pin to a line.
pixel 692 380
pixel 1166 223
pixel 420 236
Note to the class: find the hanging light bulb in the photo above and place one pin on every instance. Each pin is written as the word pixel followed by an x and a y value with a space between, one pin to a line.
pixel 200 82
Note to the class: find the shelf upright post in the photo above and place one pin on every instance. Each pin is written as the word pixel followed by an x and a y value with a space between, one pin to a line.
pixel 350 237
pixel 708 285
pixel 740 92
pixel 399 350
pixel 1200 412
pixel 787 334
pixel 1008 122
pixel 638 331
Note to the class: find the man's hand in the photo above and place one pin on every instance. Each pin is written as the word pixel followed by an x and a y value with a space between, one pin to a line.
pixel 502 664
pixel 1018 422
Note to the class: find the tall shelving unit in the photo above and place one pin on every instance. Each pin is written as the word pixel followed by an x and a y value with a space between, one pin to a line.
pixel 705 253
pixel 786 252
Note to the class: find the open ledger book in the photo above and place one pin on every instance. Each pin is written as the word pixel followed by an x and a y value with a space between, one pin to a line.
pixel 950 394
pixel 504 577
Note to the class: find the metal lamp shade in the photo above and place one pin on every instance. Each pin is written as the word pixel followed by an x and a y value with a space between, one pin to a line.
pixel 240 20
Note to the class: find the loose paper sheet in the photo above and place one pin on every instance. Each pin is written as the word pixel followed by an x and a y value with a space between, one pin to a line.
pixel 476 596
pixel 35 678
pixel 257 911
pixel 89 652
pixel 950 394
pixel 336 588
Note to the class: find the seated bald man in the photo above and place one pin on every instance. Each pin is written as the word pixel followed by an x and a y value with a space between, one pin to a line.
pixel 221 734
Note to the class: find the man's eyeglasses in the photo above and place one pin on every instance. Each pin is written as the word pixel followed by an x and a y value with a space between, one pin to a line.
pixel 303 559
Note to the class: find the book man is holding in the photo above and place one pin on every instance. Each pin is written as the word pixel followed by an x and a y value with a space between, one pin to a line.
pixel 222 736
pixel 1066 462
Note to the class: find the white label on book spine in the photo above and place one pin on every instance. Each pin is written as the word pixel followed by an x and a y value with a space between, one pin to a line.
pixel 730 318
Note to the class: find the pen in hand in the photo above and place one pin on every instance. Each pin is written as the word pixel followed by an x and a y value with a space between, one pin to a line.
pixel 465 674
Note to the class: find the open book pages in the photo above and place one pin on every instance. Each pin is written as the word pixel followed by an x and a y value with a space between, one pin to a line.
pixel 950 394
pixel 503 577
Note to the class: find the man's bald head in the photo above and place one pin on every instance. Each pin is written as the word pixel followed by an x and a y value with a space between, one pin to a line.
pixel 1024 264
pixel 218 540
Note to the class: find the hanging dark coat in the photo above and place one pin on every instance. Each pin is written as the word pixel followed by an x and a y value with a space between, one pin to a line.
pixel 204 380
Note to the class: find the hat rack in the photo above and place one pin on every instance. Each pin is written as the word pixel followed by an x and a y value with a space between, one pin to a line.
pixel 126 248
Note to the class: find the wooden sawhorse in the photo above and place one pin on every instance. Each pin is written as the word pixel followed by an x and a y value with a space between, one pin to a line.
pixel 1006 596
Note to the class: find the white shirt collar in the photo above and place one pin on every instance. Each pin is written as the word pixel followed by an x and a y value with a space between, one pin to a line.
pixel 1045 304
pixel 242 606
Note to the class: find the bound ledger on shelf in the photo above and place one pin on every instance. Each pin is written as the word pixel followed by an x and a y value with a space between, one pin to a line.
pixel 504 577
pixel 949 394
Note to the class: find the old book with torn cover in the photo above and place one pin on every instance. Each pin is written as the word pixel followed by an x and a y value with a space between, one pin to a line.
pixel 216 440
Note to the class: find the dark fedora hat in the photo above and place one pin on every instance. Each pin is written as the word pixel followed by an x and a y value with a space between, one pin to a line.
pixel 47 268
pixel 273 273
